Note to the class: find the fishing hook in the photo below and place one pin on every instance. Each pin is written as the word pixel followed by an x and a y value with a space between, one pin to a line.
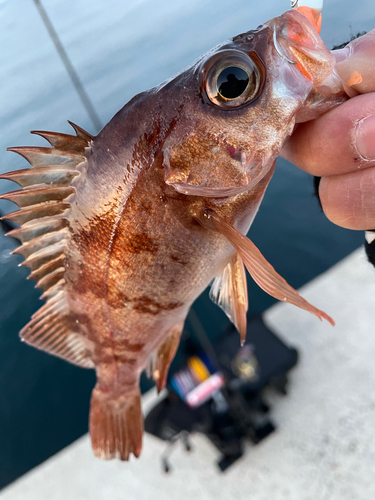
pixel 278 50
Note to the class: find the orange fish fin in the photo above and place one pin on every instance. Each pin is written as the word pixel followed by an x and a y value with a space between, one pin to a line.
pixel 261 270
pixel 229 291
pixel 161 360
pixel 116 424
pixel 51 330
pixel 44 233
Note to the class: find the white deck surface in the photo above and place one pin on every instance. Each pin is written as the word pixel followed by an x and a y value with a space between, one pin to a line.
pixel 324 448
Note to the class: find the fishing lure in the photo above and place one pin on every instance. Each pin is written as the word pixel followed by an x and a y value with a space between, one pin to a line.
pixel 123 231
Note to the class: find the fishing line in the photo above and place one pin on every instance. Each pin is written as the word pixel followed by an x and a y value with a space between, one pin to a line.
pixel 69 67
pixel 202 336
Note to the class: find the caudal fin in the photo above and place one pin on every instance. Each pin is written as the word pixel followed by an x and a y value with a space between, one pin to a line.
pixel 116 424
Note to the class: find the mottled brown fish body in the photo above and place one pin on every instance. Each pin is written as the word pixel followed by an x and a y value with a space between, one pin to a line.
pixel 139 279
pixel 135 268
pixel 125 230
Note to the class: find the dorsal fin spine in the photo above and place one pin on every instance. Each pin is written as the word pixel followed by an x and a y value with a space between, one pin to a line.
pixel 45 175
pixel 38 156
pixel 29 196
pixel 63 141
pixel 80 132
pixel 34 229
pixel 37 212
pixel 40 257
pixel 53 291
pixel 47 268
pixel 30 247
pixel 45 200
pixel 50 279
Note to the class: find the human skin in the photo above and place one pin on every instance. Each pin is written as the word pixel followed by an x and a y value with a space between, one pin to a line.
pixel 339 146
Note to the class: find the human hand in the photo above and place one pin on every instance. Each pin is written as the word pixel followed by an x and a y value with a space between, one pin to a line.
pixel 339 146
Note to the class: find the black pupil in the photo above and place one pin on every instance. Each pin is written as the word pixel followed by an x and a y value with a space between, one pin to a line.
pixel 232 82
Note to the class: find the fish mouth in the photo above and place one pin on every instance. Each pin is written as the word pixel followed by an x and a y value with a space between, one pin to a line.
pixel 254 171
pixel 297 42
pixel 279 48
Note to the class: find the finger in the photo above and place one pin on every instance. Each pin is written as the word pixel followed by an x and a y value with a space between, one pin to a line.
pixel 340 141
pixel 361 59
pixel 348 199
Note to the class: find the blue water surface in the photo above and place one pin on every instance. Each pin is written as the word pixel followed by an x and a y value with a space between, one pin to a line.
pixel 120 49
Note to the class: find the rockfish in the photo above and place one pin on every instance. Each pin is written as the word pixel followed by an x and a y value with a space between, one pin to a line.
pixel 124 230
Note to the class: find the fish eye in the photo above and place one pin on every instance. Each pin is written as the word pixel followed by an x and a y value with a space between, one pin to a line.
pixel 232 82
pixel 233 79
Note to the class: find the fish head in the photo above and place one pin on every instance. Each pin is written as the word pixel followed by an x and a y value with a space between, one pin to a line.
pixel 240 102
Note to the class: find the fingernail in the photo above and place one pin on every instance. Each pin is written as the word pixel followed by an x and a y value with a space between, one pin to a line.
pixel 365 138
pixel 341 54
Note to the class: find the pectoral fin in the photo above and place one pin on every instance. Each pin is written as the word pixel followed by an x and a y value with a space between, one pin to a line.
pixel 261 271
pixel 229 291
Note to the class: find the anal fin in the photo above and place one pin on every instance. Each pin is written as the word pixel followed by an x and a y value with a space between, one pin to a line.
pixel 161 360
pixel 229 292
pixel 261 270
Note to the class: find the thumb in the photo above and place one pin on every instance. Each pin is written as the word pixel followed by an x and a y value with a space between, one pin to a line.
pixel 358 56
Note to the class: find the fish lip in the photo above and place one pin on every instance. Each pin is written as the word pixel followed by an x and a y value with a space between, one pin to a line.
pixel 206 191
pixel 289 18
pixel 224 192
pixel 297 42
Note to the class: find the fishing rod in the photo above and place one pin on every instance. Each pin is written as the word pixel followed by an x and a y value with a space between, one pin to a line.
pixel 85 99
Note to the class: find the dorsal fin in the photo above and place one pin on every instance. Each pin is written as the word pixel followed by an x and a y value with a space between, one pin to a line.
pixel 51 330
pixel 40 175
pixel 37 212
pixel 44 219
pixel 36 228
pixel 38 156
pixel 81 133
pixel 64 142
pixel 30 196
